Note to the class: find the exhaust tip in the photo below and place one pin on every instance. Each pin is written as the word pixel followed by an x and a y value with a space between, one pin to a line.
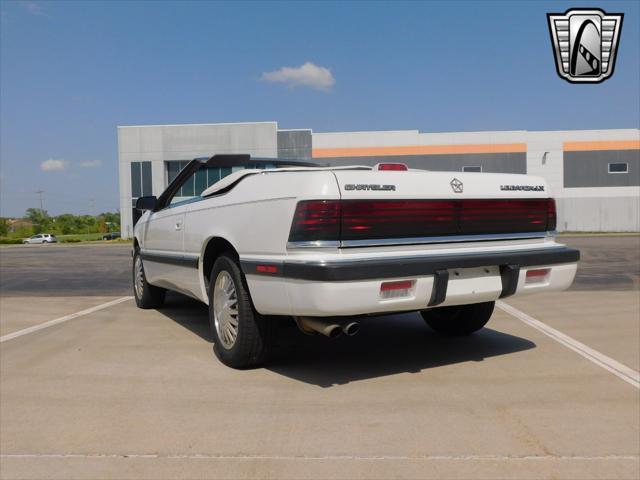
pixel 334 331
pixel 351 328
pixel 310 325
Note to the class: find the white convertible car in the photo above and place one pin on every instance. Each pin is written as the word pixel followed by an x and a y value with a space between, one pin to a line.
pixel 325 244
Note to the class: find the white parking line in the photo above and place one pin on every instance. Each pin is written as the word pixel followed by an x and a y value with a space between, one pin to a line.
pixel 66 318
pixel 618 369
pixel 205 456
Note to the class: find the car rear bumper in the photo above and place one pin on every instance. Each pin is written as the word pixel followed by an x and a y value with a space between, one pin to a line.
pixel 353 287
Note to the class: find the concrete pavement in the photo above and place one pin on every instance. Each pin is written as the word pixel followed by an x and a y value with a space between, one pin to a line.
pixel 126 393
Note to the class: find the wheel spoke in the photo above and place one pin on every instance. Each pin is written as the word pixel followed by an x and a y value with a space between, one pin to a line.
pixel 138 277
pixel 225 309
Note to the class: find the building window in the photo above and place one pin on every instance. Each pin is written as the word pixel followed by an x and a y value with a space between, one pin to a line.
pixel 474 168
pixel 140 185
pixel 621 167
pixel 140 179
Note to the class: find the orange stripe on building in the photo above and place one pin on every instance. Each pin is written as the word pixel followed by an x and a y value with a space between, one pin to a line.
pixel 419 150
pixel 601 145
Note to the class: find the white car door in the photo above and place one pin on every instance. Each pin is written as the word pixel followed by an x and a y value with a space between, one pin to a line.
pixel 162 251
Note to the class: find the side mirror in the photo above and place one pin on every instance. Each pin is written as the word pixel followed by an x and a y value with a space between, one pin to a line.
pixel 146 203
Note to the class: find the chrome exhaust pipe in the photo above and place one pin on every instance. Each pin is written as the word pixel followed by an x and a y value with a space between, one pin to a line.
pixel 309 325
pixel 351 329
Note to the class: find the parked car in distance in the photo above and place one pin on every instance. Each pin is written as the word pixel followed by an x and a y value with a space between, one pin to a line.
pixel 280 238
pixel 41 238
pixel 111 236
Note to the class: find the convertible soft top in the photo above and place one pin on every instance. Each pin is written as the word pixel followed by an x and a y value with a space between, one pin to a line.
pixel 245 160
pixel 259 165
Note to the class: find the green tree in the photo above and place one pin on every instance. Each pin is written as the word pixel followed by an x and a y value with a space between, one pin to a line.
pixel 65 223
pixel 4 227
pixel 40 219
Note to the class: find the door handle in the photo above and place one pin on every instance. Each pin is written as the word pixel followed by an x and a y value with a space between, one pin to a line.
pixel 178 226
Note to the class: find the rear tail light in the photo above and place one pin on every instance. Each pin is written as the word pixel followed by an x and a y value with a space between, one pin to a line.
pixel 341 220
pixel 551 214
pixel 316 220
pixel 539 275
pixel 397 289
pixel 399 167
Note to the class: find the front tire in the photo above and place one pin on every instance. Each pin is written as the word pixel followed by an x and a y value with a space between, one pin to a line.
pixel 242 337
pixel 146 295
pixel 459 320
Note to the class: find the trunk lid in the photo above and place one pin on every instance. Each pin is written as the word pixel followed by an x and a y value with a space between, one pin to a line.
pixel 414 184
pixel 388 207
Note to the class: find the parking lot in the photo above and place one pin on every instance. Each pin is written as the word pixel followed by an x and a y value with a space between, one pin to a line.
pixel 118 392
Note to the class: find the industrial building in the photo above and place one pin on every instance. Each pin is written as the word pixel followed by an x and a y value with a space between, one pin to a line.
pixel 594 174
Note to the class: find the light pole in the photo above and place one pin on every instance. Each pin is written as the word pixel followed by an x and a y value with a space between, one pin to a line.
pixel 40 193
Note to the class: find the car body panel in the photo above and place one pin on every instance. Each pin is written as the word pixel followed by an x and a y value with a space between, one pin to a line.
pixel 254 215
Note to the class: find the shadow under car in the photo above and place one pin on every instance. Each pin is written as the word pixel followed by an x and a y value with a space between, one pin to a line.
pixel 385 345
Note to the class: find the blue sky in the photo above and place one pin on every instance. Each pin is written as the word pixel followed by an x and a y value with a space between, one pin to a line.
pixel 70 72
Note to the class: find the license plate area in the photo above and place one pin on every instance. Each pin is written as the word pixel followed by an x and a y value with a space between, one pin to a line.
pixel 473 285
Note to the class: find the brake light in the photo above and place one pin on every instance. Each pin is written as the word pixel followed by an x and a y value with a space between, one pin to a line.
pixel 399 167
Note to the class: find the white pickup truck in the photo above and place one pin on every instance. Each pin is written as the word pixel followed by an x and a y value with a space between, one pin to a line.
pixel 325 244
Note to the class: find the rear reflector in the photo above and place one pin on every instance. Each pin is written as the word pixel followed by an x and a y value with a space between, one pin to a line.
pixel 401 285
pixel 267 269
pixel 399 167
pixel 401 288
pixel 537 276
pixel 338 220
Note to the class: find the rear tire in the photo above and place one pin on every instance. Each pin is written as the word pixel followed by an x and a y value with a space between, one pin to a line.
pixel 146 295
pixel 458 320
pixel 242 337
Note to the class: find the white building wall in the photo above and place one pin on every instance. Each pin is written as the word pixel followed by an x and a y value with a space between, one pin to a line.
pixel 579 209
pixel 610 209
pixel 403 138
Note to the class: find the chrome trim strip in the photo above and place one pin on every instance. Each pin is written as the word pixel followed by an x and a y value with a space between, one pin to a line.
pixel 421 240
pixel 443 239
pixel 316 244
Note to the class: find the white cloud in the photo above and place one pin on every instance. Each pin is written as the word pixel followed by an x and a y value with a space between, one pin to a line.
pixel 91 164
pixel 35 9
pixel 53 165
pixel 306 75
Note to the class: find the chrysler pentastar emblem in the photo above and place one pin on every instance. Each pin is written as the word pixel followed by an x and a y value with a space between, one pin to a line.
pixel 585 43
pixel 456 185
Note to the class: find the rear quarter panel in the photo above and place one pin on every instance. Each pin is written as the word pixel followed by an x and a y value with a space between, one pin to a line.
pixel 255 217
